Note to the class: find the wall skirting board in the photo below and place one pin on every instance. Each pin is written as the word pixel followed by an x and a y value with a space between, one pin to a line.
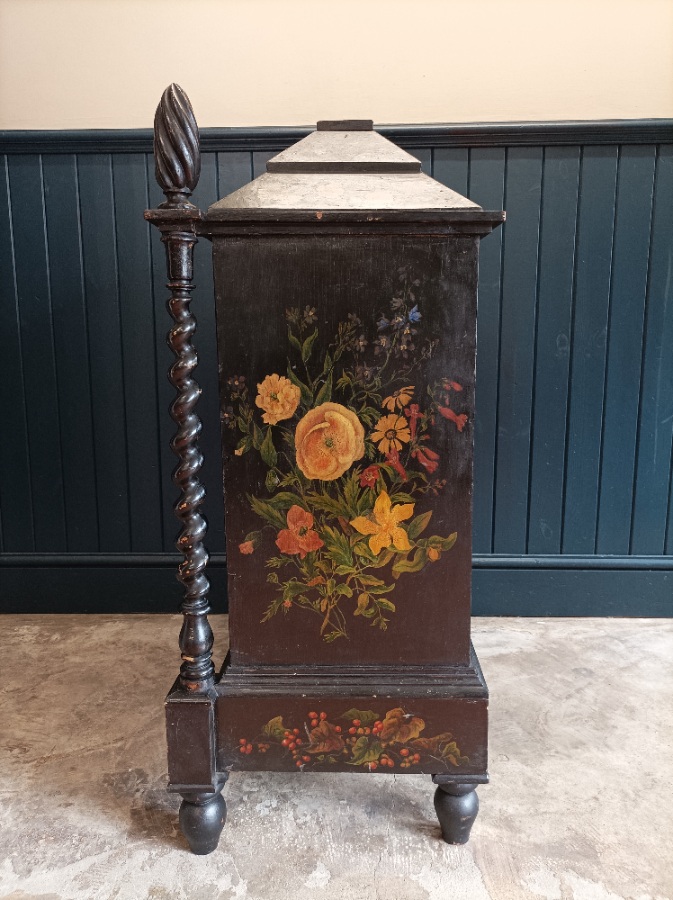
pixel 573 505
pixel 502 585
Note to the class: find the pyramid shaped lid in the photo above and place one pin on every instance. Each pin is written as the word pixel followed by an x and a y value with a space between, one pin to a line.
pixel 346 166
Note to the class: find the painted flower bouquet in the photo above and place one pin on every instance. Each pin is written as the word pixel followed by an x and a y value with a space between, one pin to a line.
pixel 346 438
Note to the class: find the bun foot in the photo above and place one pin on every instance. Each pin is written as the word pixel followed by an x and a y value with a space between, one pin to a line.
pixel 456 806
pixel 202 818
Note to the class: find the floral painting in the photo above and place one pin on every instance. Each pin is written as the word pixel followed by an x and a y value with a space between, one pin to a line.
pixel 349 438
pixel 361 738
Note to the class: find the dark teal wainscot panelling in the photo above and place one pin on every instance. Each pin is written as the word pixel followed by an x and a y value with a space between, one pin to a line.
pixel 573 508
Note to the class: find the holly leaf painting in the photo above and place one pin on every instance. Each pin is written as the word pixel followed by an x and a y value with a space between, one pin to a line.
pixel 275 729
pixel 399 727
pixel 366 716
pixel 325 739
pixel 443 747
pixel 365 751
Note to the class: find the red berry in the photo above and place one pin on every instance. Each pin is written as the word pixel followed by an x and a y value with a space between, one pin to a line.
pixel 373 766
pixel 306 758
pixel 356 722
pixel 404 752
pixel 288 734
pixel 299 742
pixel 368 731
pixel 338 729
pixel 360 731
pixel 242 749
pixel 314 723
pixel 352 730
pixel 292 746
pixel 285 742
pixel 391 763
pixel 243 741
pixel 323 715
pixel 378 723
pixel 296 731
pixel 313 715
pixel 298 763
pixel 248 749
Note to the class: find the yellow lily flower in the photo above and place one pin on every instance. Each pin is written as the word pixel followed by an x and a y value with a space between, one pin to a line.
pixel 384 528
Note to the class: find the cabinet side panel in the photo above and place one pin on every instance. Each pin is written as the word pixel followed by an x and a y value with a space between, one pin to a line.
pixel 347 384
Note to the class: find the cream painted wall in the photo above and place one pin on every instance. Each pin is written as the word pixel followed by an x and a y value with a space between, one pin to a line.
pixel 104 63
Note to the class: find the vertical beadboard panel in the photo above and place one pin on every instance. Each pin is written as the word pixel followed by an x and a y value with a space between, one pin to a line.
pixel 487 188
pixel 588 348
pixel 635 182
pixel 71 343
pixel 16 500
pixel 33 288
pixel 134 274
pixel 552 348
pixel 99 250
pixel 523 182
pixel 655 424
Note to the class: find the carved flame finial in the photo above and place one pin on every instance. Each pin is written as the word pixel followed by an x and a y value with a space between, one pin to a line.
pixel 176 147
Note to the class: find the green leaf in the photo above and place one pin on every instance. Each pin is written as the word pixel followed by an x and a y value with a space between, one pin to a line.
pixel 415 564
pixel 351 494
pixel 306 393
pixel 325 392
pixel 328 363
pixel 293 340
pixel 369 415
pixel 307 346
pixel 267 450
pixel 369 612
pixel 363 602
pixel 256 437
pixel 332 636
pixel 381 589
pixel 402 497
pixel 242 424
pixel 344 590
pixel 365 751
pixel 366 716
pixel 338 546
pixel 326 504
pixel 344 570
pixel 418 525
pixel 293 588
pixel 275 729
pixel 284 500
pixel 243 445
pixel 369 581
pixel 272 480
pixel 267 512
pixel 385 604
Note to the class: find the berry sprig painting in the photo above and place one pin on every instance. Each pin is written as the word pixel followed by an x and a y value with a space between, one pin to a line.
pixel 360 738
pixel 351 447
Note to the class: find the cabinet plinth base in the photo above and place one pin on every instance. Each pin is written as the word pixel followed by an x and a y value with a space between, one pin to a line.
pixel 367 721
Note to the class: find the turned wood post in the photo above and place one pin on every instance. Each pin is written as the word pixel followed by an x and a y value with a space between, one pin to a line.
pixel 178 166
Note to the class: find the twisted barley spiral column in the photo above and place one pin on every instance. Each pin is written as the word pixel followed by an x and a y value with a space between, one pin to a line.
pixel 178 164
pixel 196 636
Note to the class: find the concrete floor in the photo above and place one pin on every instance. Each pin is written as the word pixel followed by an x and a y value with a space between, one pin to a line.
pixel 580 806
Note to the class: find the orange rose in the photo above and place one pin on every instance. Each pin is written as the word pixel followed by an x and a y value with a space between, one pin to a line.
pixel 278 397
pixel 328 440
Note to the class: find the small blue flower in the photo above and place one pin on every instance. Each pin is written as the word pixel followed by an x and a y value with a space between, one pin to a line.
pixel 382 323
pixel 414 314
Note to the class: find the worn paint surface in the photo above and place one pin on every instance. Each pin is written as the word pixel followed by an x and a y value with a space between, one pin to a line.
pixel 577 810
